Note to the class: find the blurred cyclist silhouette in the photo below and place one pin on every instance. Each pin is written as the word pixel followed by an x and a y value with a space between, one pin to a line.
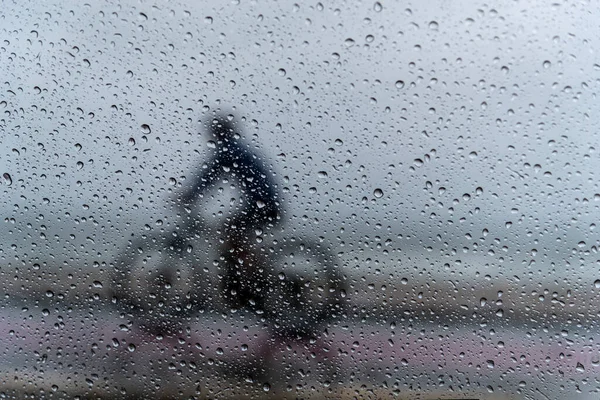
pixel 234 160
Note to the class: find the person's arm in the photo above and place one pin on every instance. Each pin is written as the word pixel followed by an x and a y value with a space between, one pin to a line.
pixel 204 179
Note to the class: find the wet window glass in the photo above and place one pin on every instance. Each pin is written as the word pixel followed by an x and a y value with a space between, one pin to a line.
pixel 248 199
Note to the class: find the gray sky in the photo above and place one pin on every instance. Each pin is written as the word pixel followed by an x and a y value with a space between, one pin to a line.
pixel 427 102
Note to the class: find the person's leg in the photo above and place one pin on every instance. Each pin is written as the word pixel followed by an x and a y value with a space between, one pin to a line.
pixel 237 278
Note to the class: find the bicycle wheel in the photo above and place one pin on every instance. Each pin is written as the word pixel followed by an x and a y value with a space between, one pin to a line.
pixel 156 283
pixel 303 286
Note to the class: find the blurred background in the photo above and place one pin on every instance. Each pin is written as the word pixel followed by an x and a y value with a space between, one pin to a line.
pixel 443 154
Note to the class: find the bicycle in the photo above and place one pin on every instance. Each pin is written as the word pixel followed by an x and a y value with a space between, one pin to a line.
pixel 163 280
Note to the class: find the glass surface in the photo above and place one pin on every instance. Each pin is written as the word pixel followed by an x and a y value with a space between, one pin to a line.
pixel 249 199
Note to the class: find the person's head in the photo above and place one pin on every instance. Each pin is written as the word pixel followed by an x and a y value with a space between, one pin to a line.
pixel 222 128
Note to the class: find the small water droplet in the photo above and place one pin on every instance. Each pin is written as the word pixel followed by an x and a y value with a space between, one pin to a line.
pixel 547 64
pixel 597 283
pixel 266 387
pixel 146 129
pixel 377 7
pixel 399 84
pixel 131 347
pixel 433 25
pixel 378 193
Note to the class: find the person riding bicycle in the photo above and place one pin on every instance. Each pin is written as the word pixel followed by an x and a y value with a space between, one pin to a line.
pixel 233 158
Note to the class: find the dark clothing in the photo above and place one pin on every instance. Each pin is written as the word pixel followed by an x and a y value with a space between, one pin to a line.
pixel 233 160
pixel 261 210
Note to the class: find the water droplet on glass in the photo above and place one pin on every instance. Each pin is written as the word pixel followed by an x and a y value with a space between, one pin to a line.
pixel 378 193
pixel 377 7
pixel 266 387
pixel 131 347
pixel 399 84
pixel 547 64
pixel 349 42
pixel 146 129
pixel 7 179
pixel 597 283
pixel 433 25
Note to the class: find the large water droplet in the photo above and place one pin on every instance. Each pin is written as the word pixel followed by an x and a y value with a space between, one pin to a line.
pixel 7 179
